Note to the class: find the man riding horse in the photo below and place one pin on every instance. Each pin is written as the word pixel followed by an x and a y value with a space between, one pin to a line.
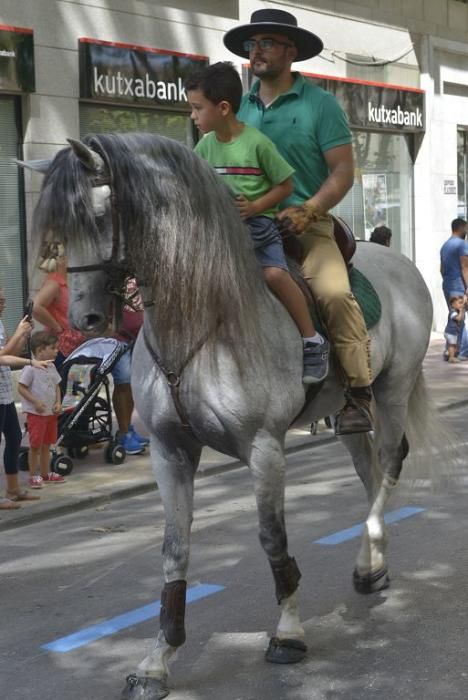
pixel 311 132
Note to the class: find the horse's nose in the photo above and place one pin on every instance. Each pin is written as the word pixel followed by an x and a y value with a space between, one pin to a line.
pixel 94 321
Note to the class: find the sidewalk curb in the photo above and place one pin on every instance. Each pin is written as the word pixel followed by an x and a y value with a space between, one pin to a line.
pixel 143 486
pixel 99 498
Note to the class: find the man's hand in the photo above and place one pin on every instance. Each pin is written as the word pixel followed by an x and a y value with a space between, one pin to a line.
pixel 40 406
pixel 57 408
pixel 245 206
pixel 296 219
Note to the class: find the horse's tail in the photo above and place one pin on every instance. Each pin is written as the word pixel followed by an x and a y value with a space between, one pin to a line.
pixel 434 457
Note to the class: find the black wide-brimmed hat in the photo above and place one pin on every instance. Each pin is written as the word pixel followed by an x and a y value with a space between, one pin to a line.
pixel 270 21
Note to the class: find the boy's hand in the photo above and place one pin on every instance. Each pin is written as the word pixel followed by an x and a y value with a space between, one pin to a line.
pixel 40 406
pixel 246 207
pixel 57 408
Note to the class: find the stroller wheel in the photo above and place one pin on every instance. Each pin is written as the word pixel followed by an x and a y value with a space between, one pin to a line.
pixel 61 464
pixel 23 465
pixel 115 454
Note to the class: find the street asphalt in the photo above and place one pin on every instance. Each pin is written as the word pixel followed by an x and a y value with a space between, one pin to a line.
pixel 94 482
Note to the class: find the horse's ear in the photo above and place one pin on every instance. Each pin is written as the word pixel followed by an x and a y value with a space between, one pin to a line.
pixel 90 159
pixel 40 166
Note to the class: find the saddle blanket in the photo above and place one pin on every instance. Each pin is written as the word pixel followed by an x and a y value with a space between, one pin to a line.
pixel 366 296
pixel 363 290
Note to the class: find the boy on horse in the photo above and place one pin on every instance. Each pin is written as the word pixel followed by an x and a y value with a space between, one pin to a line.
pixel 260 178
pixel 311 132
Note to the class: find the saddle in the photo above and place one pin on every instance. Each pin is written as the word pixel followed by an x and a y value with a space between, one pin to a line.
pixel 362 289
pixel 344 238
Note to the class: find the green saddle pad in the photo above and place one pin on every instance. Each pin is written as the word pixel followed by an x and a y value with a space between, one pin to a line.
pixel 366 297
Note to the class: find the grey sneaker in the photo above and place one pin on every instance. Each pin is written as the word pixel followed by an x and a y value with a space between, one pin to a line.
pixel 315 362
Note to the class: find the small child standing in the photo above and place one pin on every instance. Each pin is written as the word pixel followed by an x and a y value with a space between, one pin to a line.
pixel 260 179
pixel 41 401
pixel 456 319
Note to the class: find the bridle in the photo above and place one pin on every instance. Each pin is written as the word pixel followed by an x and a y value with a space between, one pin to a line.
pixel 117 270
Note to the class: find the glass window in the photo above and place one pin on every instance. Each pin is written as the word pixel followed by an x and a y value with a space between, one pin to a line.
pixel 461 173
pixel 382 193
pixel 12 249
pixel 100 119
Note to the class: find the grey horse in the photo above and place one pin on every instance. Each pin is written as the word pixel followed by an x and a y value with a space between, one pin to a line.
pixel 219 360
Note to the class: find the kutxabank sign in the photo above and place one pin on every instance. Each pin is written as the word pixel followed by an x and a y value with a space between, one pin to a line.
pixel 134 74
pixel 16 59
pixel 377 106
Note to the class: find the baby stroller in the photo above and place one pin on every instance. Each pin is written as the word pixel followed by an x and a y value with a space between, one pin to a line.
pixel 87 410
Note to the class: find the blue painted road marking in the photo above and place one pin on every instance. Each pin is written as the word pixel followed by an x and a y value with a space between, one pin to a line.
pixel 356 530
pixel 115 624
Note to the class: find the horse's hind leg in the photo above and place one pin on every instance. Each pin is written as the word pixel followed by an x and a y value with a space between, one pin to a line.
pixel 267 464
pixel 174 467
pixel 378 465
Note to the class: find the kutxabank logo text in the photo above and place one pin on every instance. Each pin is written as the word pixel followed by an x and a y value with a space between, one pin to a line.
pixel 119 85
pixel 398 116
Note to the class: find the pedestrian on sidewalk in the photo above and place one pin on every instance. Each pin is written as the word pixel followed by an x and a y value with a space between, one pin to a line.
pixel 51 301
pixel 41 401
pixel 122 396
pixel 455 322
pixel 381 235
pixel 9 423
pixel 454 271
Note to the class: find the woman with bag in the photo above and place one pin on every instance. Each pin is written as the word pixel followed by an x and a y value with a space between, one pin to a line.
pixel 51 301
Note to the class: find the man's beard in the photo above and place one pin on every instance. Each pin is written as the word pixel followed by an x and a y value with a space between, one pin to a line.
pixel 263 70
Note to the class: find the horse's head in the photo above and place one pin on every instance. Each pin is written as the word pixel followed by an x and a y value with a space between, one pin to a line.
pixel 77 207
pixel 148 206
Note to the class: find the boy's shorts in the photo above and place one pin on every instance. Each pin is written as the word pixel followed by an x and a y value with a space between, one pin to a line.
pixel 42 430
pixel 451 339
pixel 267 242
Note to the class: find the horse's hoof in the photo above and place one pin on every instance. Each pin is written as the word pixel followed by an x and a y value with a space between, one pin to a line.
pixel 144 688
pixel 371 583
pixel 285 651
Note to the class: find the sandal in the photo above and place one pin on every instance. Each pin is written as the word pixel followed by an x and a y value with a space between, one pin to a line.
pixel 21 496
pixel 8 504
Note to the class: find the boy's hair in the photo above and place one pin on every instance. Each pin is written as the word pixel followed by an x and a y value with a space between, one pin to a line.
pixel 42 339
pixel 458 224
pixel 218 82
pixel 454 297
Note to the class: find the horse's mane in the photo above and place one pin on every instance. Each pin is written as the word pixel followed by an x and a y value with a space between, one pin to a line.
pixel 183 234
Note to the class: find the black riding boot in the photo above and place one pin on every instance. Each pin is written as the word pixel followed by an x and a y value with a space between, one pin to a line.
pixel 355 416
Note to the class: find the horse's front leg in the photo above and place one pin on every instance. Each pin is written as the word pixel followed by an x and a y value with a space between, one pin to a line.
pixel 174 467
pixel 267 464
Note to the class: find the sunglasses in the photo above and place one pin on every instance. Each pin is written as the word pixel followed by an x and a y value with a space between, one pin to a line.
pixel 264 44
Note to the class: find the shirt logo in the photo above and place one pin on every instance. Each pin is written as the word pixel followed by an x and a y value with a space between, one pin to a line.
pixel 236 170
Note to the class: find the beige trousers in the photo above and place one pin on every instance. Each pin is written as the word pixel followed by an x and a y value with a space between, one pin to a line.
pixel 326 274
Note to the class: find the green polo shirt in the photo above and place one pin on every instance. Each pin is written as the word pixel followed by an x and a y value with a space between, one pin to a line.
pixel 303 123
